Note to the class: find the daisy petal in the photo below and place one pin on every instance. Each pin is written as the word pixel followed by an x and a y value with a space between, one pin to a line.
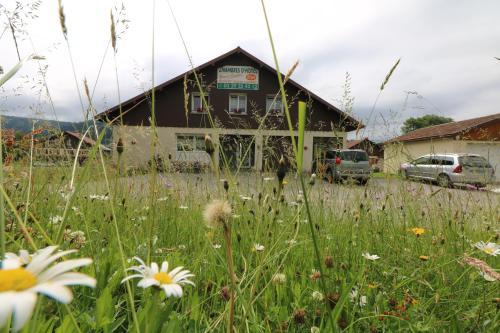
pixel 133 276
pixel 6 299
pixel 73 278
pixel 56 291
pixel 23 304
pixel 63 267
pixel 164 267
pixel 146 283
pixel 36 268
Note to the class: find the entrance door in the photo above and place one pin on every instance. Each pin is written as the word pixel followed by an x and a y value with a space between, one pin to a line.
pixel 239 151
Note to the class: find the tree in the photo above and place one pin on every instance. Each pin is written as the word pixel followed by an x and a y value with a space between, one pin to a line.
pixel 412 124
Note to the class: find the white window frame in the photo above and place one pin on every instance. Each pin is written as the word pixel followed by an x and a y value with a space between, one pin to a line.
pixel 194 109
pixel 274 112
pixel 239 107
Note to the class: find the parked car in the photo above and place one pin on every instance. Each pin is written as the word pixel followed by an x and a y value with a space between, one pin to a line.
pixel 450 169
pixel 342 164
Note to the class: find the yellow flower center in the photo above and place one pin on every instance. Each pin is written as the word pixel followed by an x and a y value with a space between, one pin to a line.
pixel 488 250
pixel 163 278
pixel 16 279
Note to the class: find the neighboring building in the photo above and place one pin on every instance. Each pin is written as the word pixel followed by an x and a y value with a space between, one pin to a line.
pixel 239 89
pixel 475 136
pixel 374 150
pixel 61 146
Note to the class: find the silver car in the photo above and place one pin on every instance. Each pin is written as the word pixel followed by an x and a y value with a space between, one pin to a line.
pixel 343 164
pixel 449 169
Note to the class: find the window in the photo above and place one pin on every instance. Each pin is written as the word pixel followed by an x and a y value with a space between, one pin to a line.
pixel 274 105
pixel 421 161
pixel 197 103
pixel 189 142
pixel 442 160
pixel 354 156
pixel 474 161
pixel 237 104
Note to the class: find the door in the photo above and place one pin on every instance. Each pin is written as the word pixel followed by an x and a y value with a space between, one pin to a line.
pixel 418 167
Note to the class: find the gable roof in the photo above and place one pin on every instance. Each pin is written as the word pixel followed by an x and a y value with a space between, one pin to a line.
pixel 445 130
pixel 354 143
pixel 355 124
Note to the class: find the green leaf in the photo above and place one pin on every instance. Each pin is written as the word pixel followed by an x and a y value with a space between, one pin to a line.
pixel 16 68
pixel 302 128
pixel 104 310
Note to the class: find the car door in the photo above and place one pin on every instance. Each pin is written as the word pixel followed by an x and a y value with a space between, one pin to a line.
pixel 417 167
pixel 434 167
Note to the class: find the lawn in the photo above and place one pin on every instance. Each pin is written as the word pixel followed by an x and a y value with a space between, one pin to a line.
pixel 378 273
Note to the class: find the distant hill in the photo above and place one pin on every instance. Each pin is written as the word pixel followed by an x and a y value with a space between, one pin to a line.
pixel 25 125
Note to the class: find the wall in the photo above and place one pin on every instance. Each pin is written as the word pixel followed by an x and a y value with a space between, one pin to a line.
pixel 170 103
pixel 137 143
pixel 398 153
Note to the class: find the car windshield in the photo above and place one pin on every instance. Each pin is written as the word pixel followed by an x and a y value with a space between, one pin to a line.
pixel 473 161
pixel 356 156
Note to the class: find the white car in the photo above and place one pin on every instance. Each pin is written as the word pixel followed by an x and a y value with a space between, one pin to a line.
pixel 449 169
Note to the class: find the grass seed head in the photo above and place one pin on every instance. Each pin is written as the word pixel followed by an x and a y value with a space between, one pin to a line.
pixel 329 261
pixel 119 146
pixel 299 316
pixel 209 145
pixel 62 19
pixel 281 172
pixel 113 32
pixel 217 213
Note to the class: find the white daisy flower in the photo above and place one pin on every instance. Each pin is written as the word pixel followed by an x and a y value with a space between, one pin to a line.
pixel 258 247
pixel 153 276
pixel 100 197
pixel 486 276
pixel 317 296
pixel 55 219
pixel 279 278
pixel 489 248
pixel 25 276
pixel 216 246
pixel 291 242
pixel 23 258
pixel 369 256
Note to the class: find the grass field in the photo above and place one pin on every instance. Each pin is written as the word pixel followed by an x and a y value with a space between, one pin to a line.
pixel 419 283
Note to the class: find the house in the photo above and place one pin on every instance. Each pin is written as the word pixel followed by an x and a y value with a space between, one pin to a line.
pixel 475 136
pixel 374 150
pixel 50 146
pixel 244 117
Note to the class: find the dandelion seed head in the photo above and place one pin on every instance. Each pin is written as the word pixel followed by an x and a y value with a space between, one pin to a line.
pixel 217 213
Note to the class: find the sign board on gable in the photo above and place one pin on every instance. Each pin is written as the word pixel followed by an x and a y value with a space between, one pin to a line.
pixel 238 77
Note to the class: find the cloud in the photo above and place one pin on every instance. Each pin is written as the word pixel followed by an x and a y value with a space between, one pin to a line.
pixel 447 51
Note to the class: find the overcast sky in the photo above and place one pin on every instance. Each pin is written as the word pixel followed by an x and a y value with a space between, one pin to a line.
pixel 447 51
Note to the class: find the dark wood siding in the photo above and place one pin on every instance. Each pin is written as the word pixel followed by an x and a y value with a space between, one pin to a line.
pixel 170 111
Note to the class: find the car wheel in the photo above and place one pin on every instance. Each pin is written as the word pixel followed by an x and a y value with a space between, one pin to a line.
pixel 443 180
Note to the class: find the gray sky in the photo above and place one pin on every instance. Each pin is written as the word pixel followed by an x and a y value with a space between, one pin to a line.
pixel 447 51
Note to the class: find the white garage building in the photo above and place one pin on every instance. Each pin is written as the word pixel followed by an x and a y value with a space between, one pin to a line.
pixel 475 136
